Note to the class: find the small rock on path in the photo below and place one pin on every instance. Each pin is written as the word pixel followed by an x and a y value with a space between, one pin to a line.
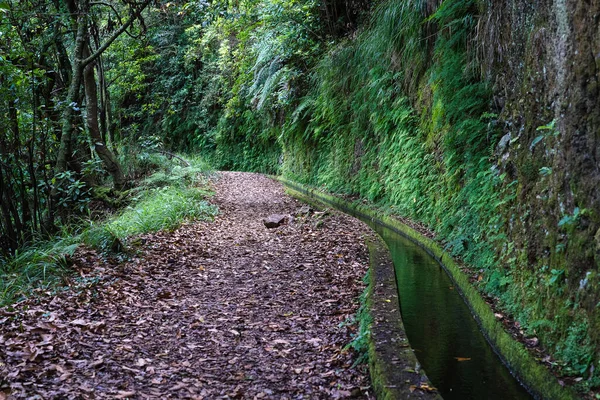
pixel 219 310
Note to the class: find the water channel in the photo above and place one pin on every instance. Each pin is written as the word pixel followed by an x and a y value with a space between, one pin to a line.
pixel 441 329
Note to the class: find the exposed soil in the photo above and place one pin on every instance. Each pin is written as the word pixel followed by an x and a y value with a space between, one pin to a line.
pixel 223 309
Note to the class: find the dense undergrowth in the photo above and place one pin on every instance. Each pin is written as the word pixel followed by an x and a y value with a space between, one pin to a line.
pixel 168 196
pixel 410 127
pixel 397 112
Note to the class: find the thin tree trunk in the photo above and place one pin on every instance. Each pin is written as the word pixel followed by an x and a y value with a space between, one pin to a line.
pixel 16 153
pixel 69 115
pixel 102 109
pixel 10 212
pixel 8 223
pixel 108 158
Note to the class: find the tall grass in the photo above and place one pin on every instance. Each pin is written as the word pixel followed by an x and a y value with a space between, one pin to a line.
pixel 163 201
pixel 164 208
pixel 37 268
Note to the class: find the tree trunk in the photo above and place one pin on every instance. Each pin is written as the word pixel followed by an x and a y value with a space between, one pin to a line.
pixel 9 232
pixel 108 158
pixel 68 117
pixel 16 153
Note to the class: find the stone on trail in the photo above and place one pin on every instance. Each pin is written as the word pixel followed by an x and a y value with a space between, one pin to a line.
pixel 275 220
pixel 304 210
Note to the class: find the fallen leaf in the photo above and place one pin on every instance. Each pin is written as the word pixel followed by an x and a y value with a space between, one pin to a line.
pixel 141 362
pixel 462 359
pixel 64 376
pixel 124 394
pixel 423 386
pixel 96 363
pixel 178 386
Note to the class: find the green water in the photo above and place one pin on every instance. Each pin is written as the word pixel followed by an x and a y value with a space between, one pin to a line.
pixel 441 329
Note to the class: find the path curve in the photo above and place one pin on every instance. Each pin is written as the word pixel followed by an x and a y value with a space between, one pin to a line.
pixel 223 309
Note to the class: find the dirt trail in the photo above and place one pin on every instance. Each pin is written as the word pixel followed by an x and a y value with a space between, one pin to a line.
pixel 223 309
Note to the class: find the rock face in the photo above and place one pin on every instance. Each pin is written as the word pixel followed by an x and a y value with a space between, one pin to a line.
pixel 275 220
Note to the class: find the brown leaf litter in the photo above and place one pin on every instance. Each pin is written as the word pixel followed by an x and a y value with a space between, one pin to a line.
pixel 221 310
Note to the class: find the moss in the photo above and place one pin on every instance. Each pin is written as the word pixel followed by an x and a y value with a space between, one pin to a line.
pixel 110 197
pixel 382 335
pixel 534 375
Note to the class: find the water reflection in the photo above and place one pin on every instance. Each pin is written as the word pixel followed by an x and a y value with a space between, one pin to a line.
pixel 446 339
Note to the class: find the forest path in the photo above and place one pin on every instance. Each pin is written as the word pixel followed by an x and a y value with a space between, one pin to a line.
pixel 222 309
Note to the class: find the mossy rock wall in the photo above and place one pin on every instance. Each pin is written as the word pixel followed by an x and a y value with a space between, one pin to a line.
pixel 539 381
pixel 479 120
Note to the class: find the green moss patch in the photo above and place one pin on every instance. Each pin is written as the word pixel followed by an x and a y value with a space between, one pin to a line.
pixel 537 378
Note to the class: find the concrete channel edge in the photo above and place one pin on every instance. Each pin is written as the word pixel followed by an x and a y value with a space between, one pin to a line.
pixel 534 376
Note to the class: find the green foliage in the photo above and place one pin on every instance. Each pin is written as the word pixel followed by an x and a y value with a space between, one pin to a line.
pixel 160 209
pixel 557 277
pixel 360 341
pixel 35 269
pixel 171 196
pixel 568 221
pixel 576 350
pixel 73 192
pixel 546 131
pixel 370 140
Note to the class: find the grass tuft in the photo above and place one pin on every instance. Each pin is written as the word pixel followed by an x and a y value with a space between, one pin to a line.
pixel 164 200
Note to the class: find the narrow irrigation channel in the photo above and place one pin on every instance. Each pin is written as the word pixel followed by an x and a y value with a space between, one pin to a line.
pixel 442 331
pixel 440 328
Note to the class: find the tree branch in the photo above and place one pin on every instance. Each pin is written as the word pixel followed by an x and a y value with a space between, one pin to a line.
pixel 101 3
pixel 115 35
pixel 171 155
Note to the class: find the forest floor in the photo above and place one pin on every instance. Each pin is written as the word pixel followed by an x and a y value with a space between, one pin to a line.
pixel 222 309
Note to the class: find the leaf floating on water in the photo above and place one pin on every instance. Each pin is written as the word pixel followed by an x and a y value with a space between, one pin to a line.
pixel 423 386
pixel 459 359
